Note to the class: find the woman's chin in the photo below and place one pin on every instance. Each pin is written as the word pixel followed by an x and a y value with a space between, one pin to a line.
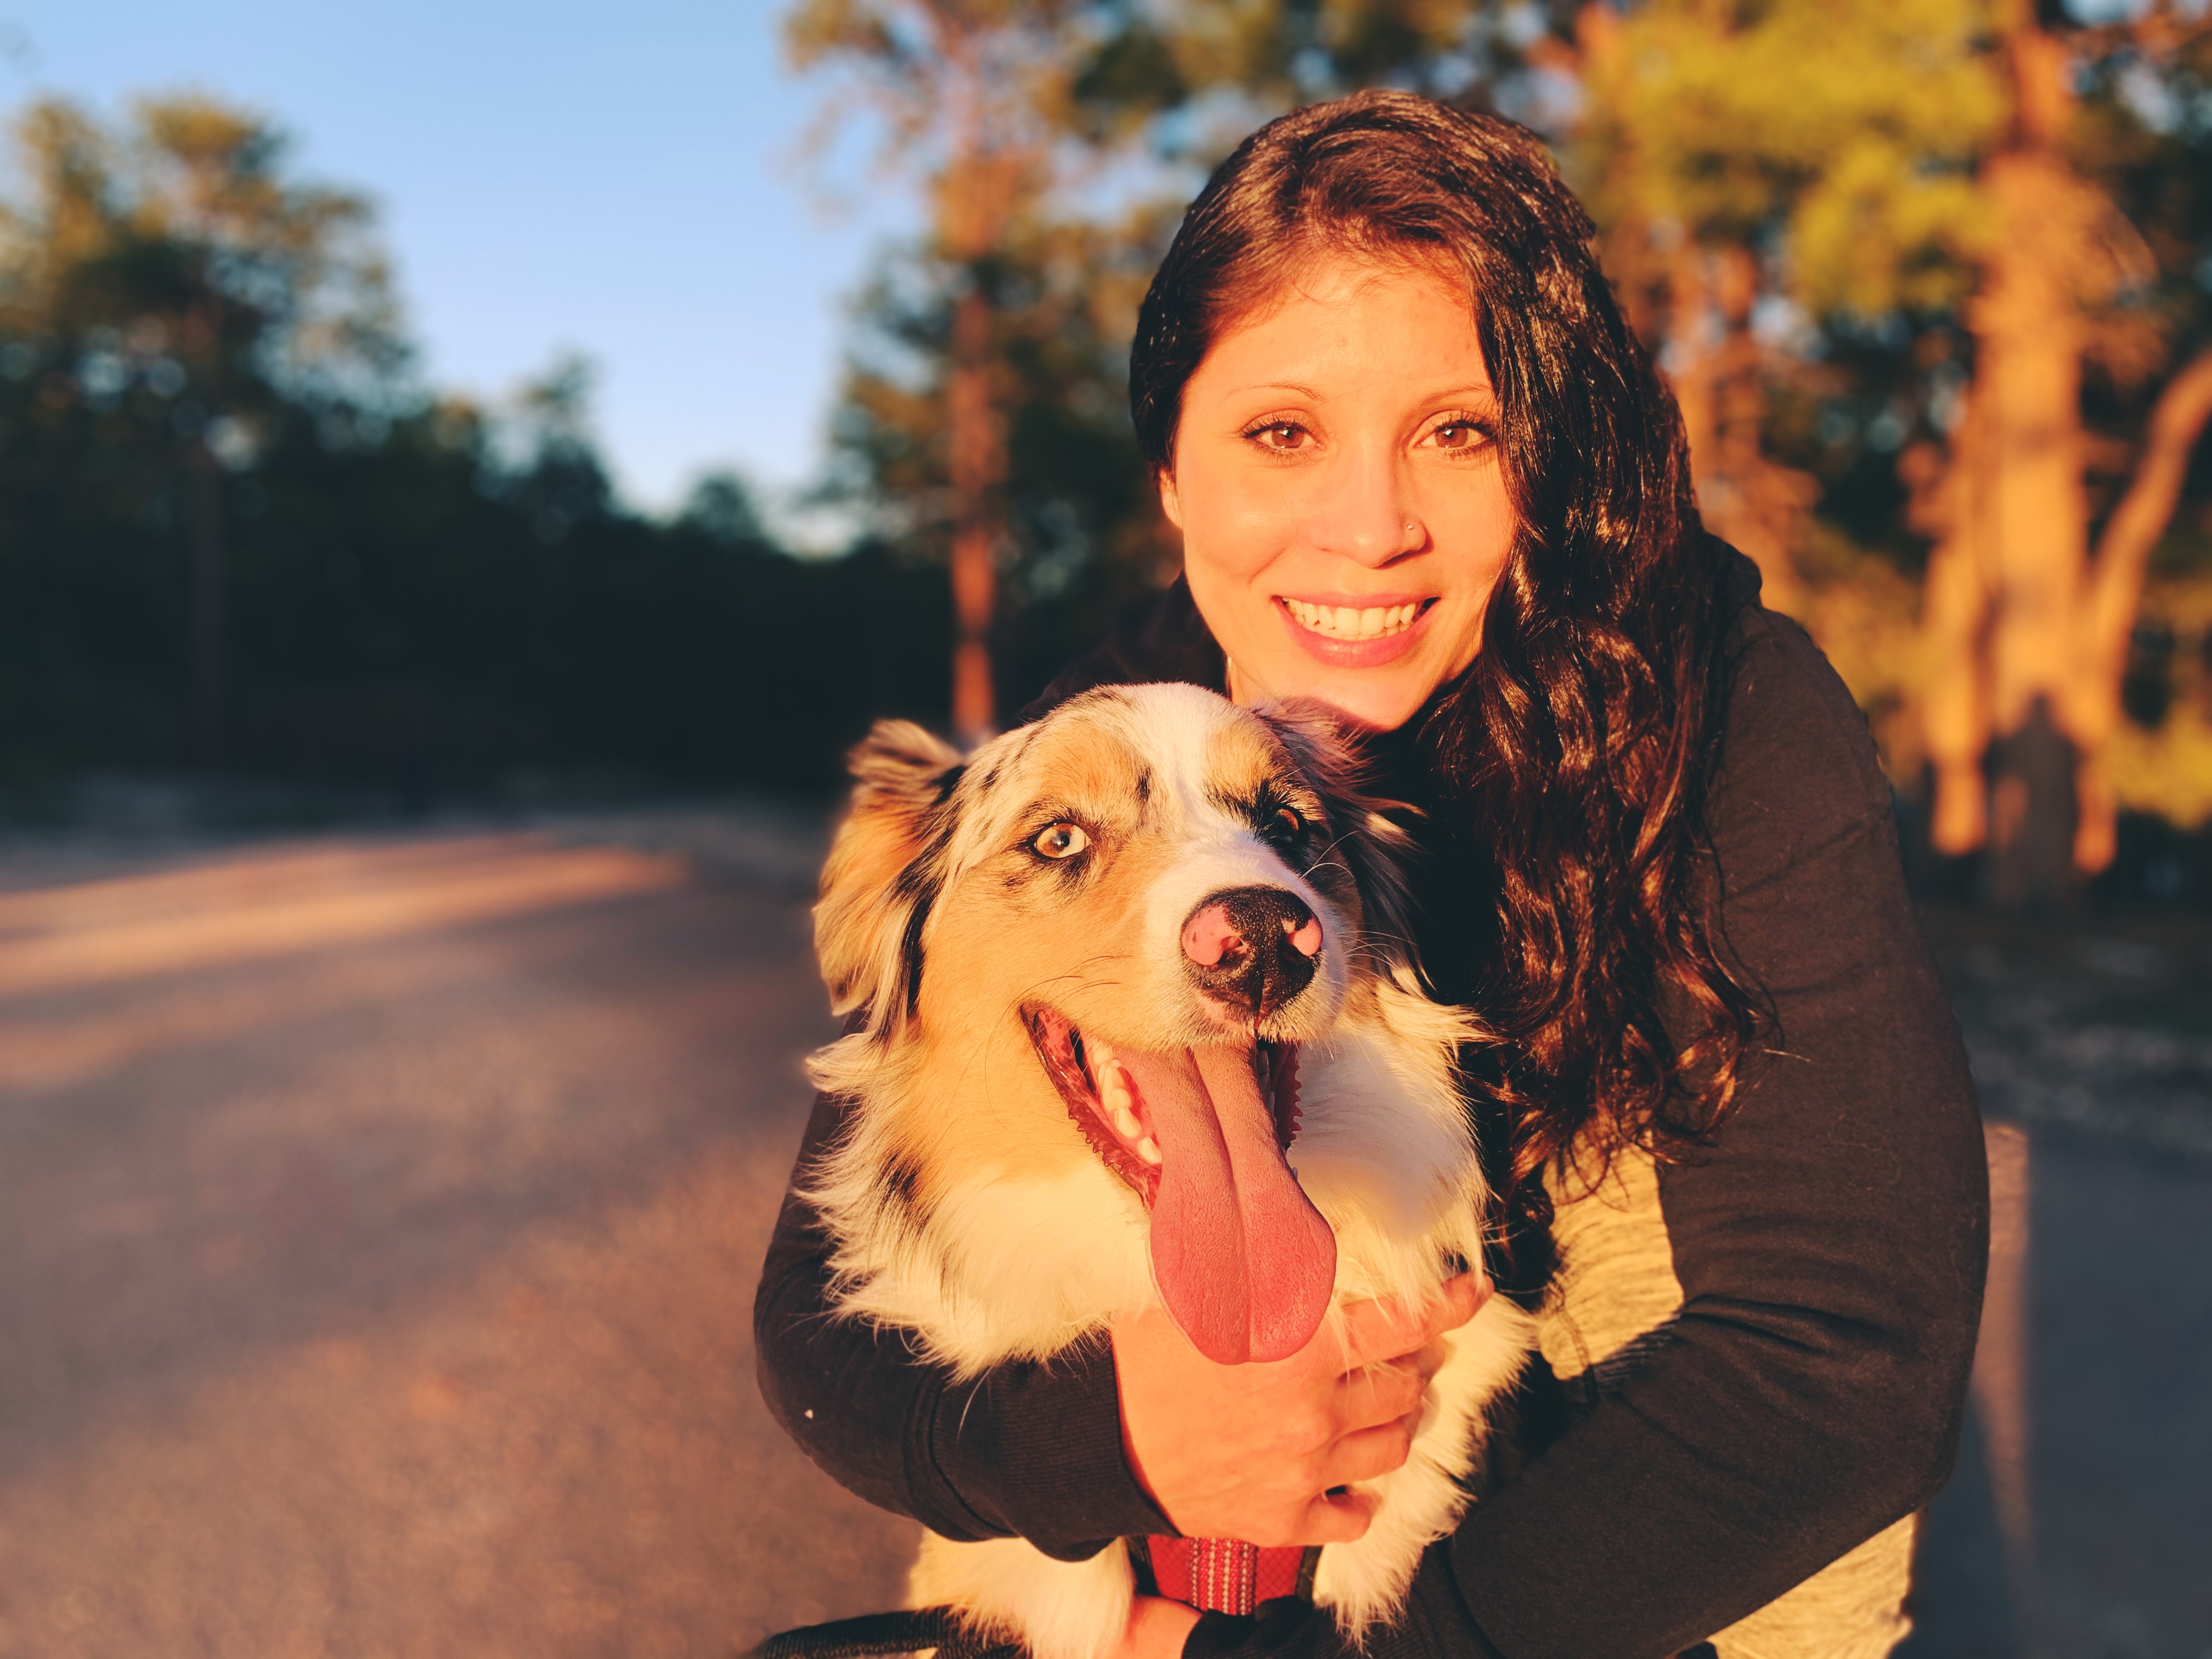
pixel 1381 700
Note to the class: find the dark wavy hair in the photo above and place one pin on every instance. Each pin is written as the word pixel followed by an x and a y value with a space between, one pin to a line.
pixel 1579 744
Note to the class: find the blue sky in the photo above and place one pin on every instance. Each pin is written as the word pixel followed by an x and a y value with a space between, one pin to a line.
pixel 622 182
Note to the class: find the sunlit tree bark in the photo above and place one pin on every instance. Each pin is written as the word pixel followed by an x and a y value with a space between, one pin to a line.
pixel 2025 639
pixel 2116 592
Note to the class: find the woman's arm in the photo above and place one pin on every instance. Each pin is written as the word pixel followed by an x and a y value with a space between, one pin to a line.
pixel 1025 1450
pixel 1829 1244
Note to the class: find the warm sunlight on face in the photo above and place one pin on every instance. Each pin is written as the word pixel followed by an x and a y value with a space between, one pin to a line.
pixel 1337 484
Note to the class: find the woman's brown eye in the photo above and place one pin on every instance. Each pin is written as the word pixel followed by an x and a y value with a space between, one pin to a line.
pixel 1061 841
pixel 1458 437
pixel 1282 435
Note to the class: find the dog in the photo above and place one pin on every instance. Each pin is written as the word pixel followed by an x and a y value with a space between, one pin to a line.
pixel 1134 1017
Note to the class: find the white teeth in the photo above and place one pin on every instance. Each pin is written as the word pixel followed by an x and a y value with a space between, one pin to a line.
pixel 1340 621
pixel 1149 1150
pixel 1115 1093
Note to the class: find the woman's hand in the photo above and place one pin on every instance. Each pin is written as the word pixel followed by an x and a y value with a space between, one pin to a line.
pixel 1157 1629
pixel 1261 1452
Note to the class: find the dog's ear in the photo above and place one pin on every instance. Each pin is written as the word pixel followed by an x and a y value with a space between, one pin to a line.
pixel 1378 851
pixel 883 872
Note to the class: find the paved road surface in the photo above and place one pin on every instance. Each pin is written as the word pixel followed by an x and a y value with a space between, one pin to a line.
pixel 391 1296
pixel 379 1220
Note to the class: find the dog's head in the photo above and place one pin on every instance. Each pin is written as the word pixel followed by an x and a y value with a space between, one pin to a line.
pixel 1103 936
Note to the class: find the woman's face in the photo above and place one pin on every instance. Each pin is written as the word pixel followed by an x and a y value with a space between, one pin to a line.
pixel 1337 483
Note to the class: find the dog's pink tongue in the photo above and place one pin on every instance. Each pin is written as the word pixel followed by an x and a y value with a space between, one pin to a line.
pixel 1242 1258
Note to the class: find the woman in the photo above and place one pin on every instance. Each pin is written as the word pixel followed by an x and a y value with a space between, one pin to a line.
pixel 1422 472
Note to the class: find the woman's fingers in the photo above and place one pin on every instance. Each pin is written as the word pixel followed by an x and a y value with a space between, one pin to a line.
pixel 1371 1454
pixel 1429 1361
pixel 1377 1332
pixel 1264 1452
pixel 1378 1394
pixel 1338 1517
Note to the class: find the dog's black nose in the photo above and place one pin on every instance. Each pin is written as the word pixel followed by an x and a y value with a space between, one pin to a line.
pixel 1252 948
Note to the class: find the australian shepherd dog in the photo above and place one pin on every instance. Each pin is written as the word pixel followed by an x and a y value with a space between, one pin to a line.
pixel 1136 1020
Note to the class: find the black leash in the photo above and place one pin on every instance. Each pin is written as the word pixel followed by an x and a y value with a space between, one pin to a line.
pixel 887 1633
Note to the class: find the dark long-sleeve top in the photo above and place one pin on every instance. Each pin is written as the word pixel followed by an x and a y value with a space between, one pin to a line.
pixel 1829 1243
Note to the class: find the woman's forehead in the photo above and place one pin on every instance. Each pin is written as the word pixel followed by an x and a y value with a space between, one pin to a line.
pixel 1328 315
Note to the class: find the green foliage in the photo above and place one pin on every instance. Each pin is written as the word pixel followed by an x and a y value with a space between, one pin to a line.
pixel 1840 130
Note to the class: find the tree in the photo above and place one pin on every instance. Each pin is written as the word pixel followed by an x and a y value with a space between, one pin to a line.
pixel 1912 287
pixel 1795 149
pixel 2028 637
pixel 1906 166
pixel 229 514
pixel 199 297
pixel 970 94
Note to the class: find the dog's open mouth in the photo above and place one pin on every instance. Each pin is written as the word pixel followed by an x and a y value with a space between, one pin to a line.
pixel 1243 1262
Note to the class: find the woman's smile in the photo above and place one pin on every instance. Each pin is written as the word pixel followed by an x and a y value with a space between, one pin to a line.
pixel 1356 630
pixel 1336 478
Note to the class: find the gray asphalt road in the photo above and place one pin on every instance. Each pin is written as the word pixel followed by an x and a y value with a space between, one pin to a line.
pixel 2080 1522
pixel 379 1221
pixel 378 1230
pixel 2116 1562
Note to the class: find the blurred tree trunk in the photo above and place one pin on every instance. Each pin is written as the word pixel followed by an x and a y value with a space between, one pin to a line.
pixel 210 565
pixel 2026 641
pixel 210 583
pixel 2116 592
pixel 978 466
pixel 975 200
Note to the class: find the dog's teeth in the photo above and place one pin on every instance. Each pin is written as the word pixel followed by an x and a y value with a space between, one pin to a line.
pixel 1126 1121
pixel 1114 1092
pixel 1149 1150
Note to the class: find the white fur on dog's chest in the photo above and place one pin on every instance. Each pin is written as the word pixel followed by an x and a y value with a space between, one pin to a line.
pixel 1023 1268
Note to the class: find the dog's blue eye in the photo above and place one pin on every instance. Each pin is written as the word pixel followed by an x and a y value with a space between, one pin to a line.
pixel 1061 841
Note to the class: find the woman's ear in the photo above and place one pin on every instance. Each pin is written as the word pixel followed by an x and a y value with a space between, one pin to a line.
pixel 1170 502
pixel 883 872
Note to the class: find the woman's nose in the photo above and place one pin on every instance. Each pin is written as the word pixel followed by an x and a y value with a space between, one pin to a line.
pixel 1364 514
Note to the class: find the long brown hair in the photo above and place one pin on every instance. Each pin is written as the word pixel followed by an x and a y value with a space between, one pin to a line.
pixel 1579 744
